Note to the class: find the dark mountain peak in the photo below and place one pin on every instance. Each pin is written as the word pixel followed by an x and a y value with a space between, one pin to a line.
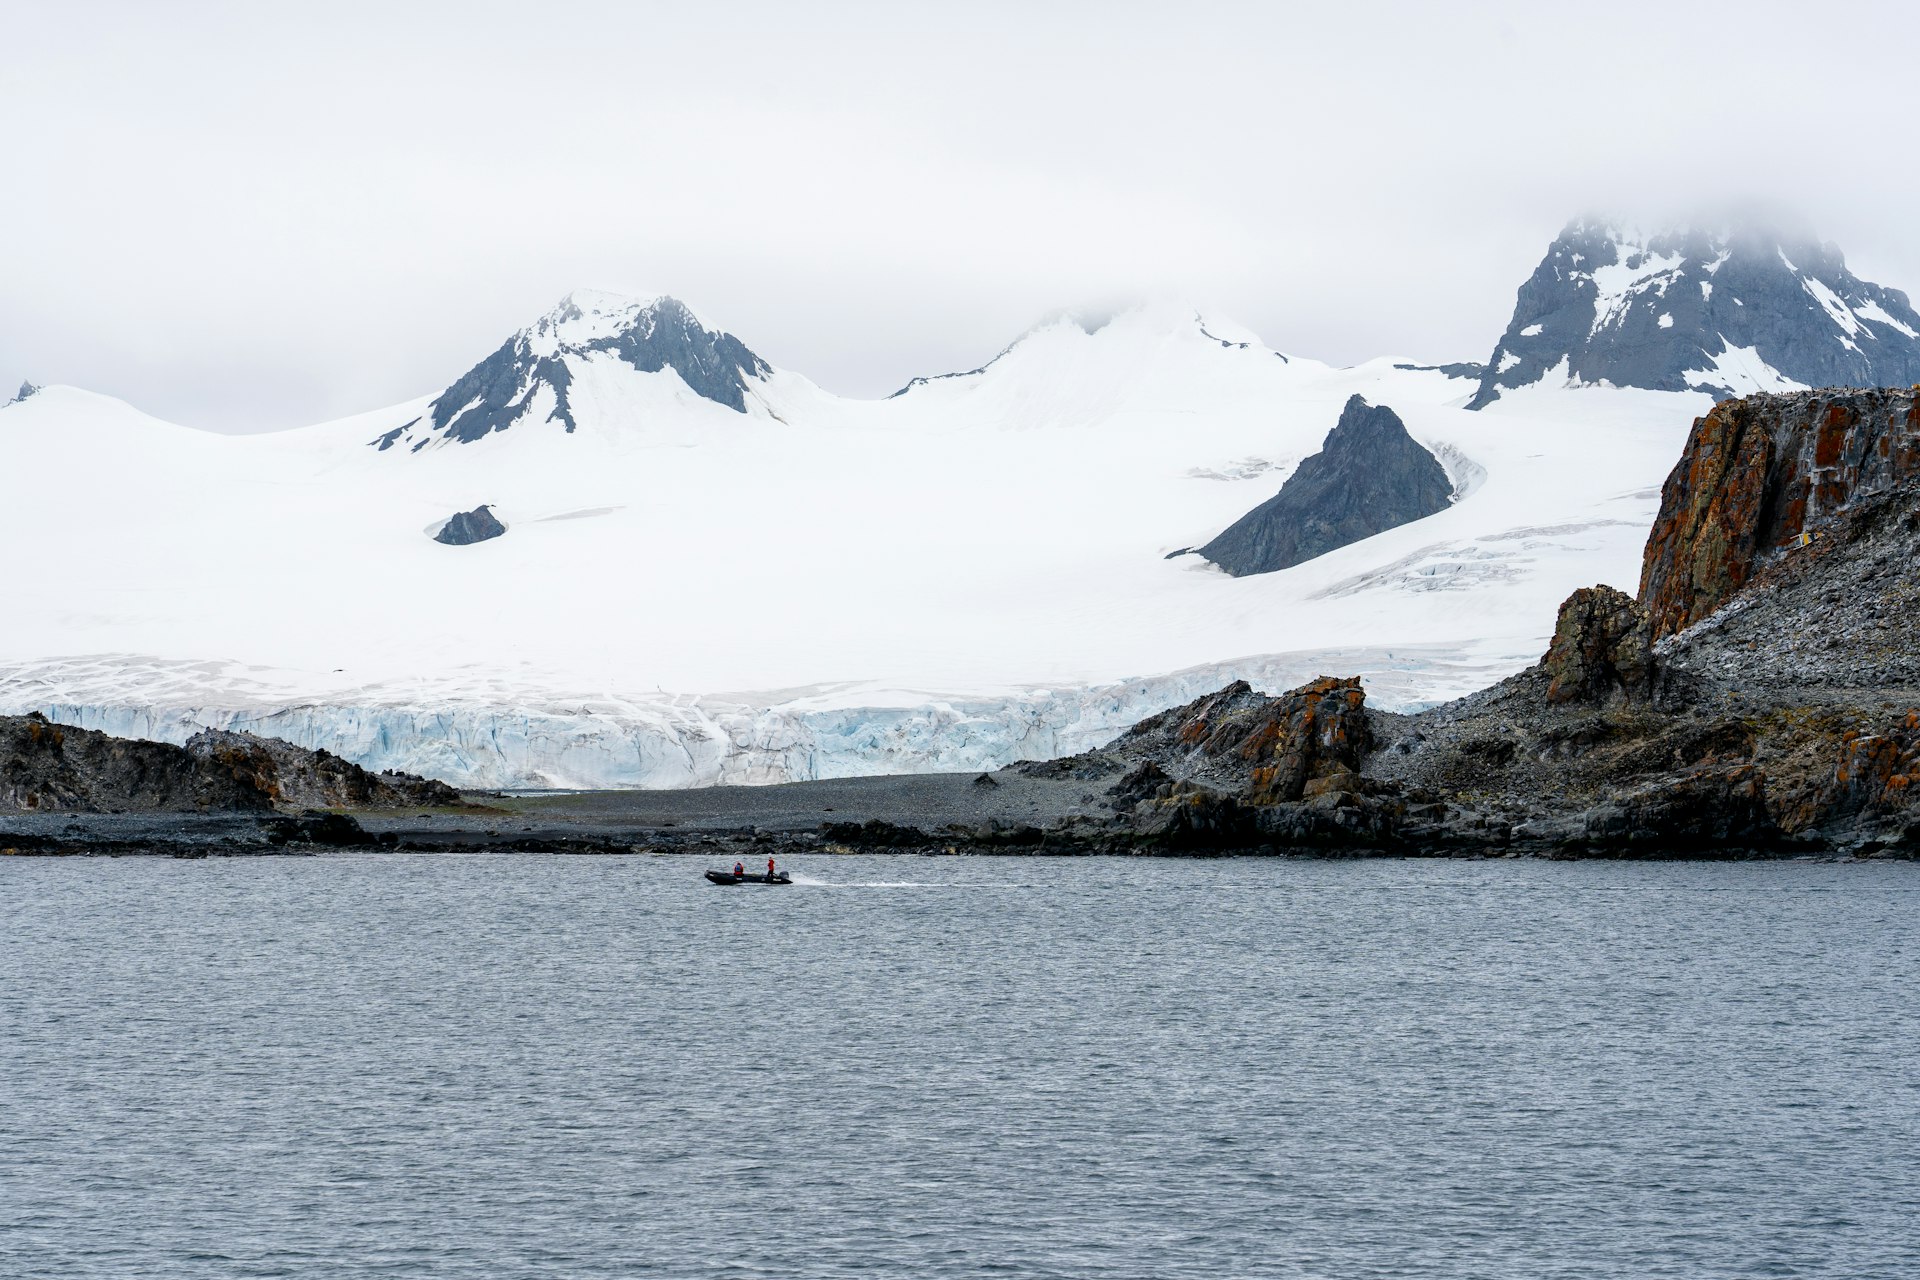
pixel 1732 310
pixel 1369 476
pixel 530 376
pixel 26 389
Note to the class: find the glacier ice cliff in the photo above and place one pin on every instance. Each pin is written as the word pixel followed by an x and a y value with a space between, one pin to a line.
pixel 533 740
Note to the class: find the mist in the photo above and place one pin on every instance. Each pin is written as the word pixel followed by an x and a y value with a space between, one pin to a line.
pixel 249 218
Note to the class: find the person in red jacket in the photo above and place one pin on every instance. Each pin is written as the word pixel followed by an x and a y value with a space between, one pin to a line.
pixel 769 866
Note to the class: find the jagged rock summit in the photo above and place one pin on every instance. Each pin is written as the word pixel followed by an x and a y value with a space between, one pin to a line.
pixel 1369 476
pixel 1726 313
pixel 531 378
pixel 26 389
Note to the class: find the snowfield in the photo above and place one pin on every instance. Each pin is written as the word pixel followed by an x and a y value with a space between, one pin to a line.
pixel 972 572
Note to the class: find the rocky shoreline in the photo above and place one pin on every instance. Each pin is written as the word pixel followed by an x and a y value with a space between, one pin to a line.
pixel 1758 697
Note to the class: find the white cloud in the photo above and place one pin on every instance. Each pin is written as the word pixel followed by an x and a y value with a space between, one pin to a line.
pixel 258 216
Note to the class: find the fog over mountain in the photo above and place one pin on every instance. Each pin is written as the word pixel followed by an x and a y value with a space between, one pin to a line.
pixel 253 218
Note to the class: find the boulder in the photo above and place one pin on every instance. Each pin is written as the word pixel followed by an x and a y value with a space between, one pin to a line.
pixel 1602 649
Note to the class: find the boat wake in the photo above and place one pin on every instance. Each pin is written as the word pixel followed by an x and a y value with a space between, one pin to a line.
pixel 868 884
pixel 814 882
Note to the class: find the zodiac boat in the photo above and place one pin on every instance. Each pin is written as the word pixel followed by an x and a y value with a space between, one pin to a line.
pixel 727 877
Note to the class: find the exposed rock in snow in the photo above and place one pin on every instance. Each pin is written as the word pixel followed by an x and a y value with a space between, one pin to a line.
pixel 1369 477
pixel 26 389
pixel 468 527
pixel 531 376
pixel 1726 313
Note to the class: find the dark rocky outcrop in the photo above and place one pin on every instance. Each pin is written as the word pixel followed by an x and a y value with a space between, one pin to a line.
pixel 295 778
pixel 46 767
pixel 1306 742
pixel 26 389
pixel 1237 768
pixel 1759 473
pixel 1606 306
pixel 469 527
pixel 1369 477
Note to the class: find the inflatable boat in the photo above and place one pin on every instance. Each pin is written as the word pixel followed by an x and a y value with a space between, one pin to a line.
pixel 727 877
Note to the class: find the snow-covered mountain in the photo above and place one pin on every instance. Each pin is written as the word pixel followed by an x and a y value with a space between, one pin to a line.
pixel 701 568
pixel 530 380
pixel 1725 313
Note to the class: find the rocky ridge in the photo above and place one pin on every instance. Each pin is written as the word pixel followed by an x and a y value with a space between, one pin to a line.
pixel 47 767
pixel 1724 312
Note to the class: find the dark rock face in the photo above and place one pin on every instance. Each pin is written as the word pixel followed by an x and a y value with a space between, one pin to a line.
pixel 46 767
pixel 26 389
pixel 1605 306
pixel 1758 474
pixel 1602 649
pixel 469 527
pixel 294 777
pixel 51 767
pixel 500 391
pixel 1696 811
pixel 1369 477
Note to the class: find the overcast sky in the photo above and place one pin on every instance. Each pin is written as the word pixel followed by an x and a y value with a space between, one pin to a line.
pixel 254 216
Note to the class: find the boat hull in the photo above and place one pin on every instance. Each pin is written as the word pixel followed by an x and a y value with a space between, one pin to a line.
pixel 727 877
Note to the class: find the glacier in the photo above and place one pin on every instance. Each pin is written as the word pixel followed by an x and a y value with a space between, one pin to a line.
pixel 588 742
pixel 692 591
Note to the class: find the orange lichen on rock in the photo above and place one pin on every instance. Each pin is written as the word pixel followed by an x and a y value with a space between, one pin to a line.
pixel 1756 474
pixel 1602 648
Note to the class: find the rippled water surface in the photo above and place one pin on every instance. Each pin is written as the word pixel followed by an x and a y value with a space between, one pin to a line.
pixel 534 1066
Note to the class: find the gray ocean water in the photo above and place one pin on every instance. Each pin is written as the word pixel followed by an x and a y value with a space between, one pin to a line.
pixel 537 1066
